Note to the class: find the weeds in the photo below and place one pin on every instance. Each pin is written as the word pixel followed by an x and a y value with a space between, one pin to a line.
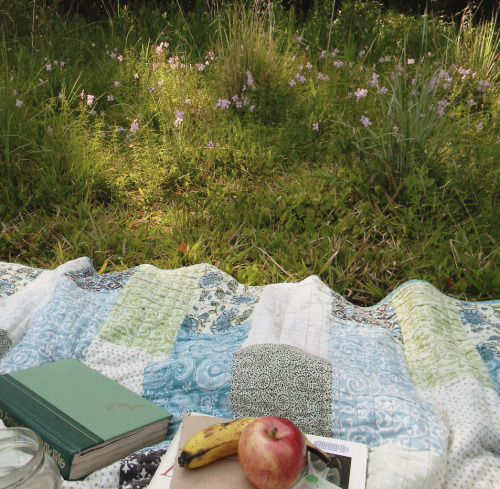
pixel 270 146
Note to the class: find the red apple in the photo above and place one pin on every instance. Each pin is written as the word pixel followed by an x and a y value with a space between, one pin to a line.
pixel 272 452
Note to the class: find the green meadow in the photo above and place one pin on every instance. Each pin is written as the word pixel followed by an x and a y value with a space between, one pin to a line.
pixel 357 144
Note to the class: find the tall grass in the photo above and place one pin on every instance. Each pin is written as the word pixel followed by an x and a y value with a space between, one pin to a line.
pixel 477 46
pixel 271 146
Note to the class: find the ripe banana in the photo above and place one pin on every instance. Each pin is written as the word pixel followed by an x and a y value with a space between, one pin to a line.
pixel 221 440
pixel 214 442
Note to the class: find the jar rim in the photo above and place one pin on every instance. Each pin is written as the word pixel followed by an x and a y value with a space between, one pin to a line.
pixel 28 437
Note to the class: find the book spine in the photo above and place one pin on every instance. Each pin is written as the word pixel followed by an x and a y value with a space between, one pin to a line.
pixel 13 414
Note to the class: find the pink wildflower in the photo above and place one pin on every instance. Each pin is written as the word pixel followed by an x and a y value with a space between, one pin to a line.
pixel 365 121
pixel 442 104
pixel 482 85
pixel 360 93
pixel 161 47
pixel 463 72
pixel 134 127
pixel 179 117
pixel 250 81
pixel 300 78
pixel 223 103
pixel 373 80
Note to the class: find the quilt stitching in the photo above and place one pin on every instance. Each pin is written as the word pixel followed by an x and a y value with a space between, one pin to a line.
pixel 63 328
pixel 415 377
pixel 436 345
pixel 88 279
pixel 257 371
pixel 14 277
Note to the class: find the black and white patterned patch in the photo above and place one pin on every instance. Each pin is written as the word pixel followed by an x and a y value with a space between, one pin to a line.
pixel 137 470
pixel 282 380
pixel 89 280
pixel 5 342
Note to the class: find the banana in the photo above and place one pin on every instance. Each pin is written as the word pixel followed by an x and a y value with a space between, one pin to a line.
pixel 213 443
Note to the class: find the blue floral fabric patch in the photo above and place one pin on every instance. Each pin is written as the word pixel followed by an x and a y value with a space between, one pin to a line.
pixel 374 399
pixel 482 320
pixel 63 328
pixel 196 375
pixel 222 303
pixel 14 277
pixel 88 279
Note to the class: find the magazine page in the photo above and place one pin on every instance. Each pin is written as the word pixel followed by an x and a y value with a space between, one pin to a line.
pixel 163 475
pixel 353 459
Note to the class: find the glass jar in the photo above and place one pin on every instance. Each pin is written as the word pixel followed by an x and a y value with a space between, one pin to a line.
pixel 23 462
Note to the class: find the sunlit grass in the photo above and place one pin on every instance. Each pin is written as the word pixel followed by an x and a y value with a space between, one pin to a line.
pixel 245 138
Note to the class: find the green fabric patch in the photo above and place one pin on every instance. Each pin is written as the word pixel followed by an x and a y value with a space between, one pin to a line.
pixel 150 310
pixel 437 348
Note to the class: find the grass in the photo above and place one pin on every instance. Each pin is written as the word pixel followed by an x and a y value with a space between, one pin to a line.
pixel 270 146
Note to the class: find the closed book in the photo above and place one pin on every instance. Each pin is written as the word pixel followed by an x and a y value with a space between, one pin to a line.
pixel 85 419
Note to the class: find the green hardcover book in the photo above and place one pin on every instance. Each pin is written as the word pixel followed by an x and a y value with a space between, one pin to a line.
pixel 85 419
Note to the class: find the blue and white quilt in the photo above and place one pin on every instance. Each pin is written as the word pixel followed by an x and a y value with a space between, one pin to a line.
pixel 415 377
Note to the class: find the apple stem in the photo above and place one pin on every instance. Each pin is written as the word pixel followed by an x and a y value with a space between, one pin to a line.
pixel 274 430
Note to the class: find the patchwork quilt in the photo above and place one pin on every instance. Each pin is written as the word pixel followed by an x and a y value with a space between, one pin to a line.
pixel 415 377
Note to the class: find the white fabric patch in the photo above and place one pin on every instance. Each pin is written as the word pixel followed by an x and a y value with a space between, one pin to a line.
pixel 472 414
pixel 293 314
pixel 123 364
pixel 393 467
pixel 107 478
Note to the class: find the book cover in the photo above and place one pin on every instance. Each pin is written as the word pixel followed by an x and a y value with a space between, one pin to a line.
pixel 227 473
pixel 85 419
